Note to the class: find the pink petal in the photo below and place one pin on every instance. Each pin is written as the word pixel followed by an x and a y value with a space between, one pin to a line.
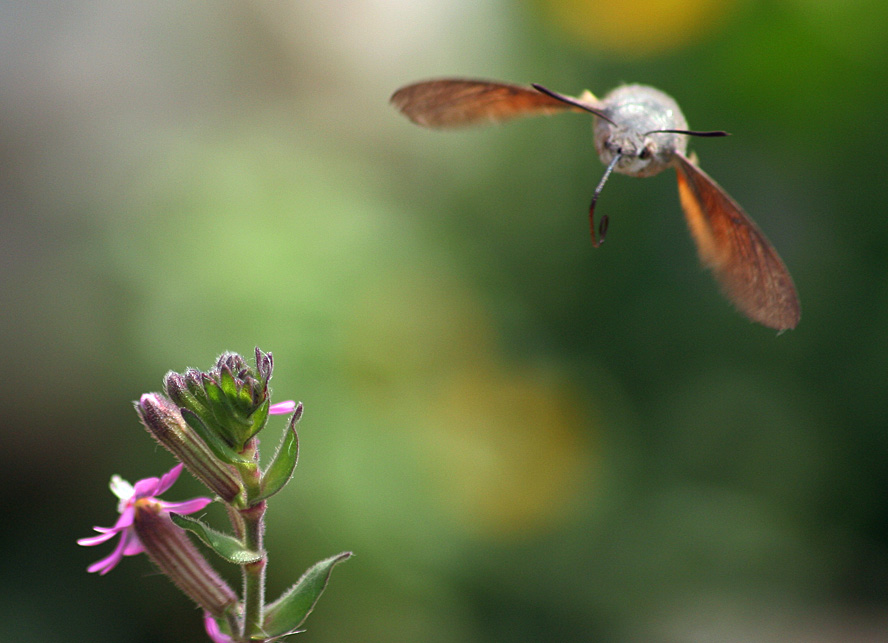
pixel 129 545
pixel 146 488
pixel 168 479
pixel 213 630
pixel 282 408
pixel 109 562
pixel 97 540
pixel 133 544
pixel 106 564
pixel 186 506
pixel 125 520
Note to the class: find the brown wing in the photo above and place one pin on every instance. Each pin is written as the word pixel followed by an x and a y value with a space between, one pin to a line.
pixel 744 262
pixel 456 102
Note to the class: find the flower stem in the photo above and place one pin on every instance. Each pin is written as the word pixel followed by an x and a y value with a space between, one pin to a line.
pixel 254 573
pixel 252 522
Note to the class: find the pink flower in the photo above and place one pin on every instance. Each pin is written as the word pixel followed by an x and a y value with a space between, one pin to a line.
pixel 213 630
pixel 129 544
pixel 282 408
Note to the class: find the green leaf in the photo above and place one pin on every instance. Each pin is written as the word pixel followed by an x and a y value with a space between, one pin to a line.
pixel 223 413
pixel 227 383
pixel 288 612
pixel 217 445
pixel 282 465
pixel 230 420
pixel 245 394
pixel 215 395
pixel 228 547
pixel 258 419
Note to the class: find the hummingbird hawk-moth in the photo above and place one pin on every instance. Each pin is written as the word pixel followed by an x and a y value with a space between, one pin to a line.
pixel 639 131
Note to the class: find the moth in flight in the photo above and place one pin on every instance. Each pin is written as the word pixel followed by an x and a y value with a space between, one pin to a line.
pixel 639 131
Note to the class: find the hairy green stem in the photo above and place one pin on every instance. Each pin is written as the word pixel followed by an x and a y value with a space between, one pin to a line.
pixel 253 525
pixel 254 573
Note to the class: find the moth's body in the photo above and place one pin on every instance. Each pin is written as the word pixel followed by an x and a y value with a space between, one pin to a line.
pixel 639 110
pixel 639 131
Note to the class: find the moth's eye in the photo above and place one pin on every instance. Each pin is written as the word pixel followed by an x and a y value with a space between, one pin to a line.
pixel 645 153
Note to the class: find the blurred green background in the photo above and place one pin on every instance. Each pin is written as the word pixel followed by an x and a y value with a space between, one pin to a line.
pixel 522 438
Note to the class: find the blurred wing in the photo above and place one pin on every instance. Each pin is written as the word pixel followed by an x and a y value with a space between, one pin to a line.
pixel 457 103
pixel 745 264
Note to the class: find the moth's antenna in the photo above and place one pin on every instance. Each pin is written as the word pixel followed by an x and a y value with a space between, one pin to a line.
pixel 689 132
pixel 598 239
pixel 571 101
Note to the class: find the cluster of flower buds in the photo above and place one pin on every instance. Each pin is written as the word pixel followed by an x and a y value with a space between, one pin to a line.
pixel 208 421
pixel 227 405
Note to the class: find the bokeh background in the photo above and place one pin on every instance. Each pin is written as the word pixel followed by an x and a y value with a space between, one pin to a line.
pixel 522 438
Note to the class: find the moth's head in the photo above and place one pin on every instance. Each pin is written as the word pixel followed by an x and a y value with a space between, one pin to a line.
pixel 641 153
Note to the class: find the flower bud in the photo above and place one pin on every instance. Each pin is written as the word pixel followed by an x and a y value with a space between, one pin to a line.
pixel 177 557
pixel 165 423
pixel 231 399
pixel 194 382
pixel 178 390
pixel 264 364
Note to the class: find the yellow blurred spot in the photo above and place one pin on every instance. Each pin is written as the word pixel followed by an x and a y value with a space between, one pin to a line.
pixel 501 445
pixel 638 27
pixel 505 449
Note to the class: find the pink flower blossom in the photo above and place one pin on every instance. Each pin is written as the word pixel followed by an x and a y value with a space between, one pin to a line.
pixel 129 544
pixel 213 630
pixel 282 408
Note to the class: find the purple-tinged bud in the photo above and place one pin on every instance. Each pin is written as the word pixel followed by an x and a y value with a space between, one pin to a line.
pixel 187 391
pixel 264 364
pixel 175 386
pixel 194 382
pixel 164 421
pixel 177 557
pixel 234 362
